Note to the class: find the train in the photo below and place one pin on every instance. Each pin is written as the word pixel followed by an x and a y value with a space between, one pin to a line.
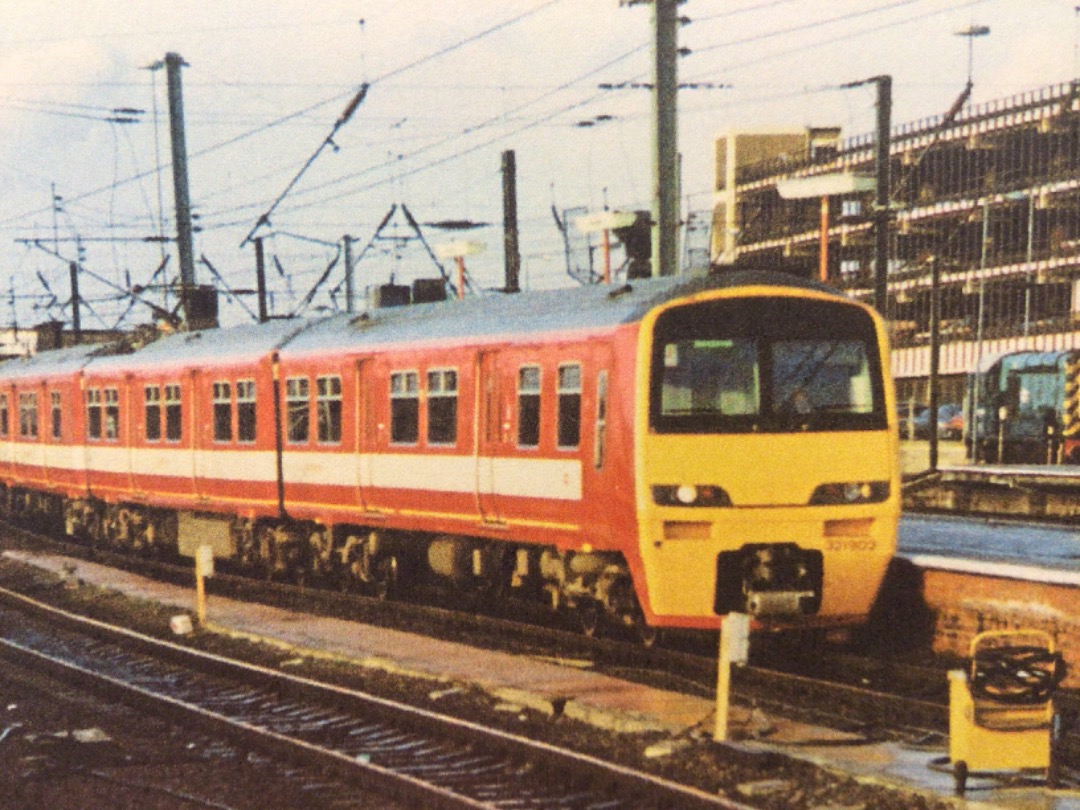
pixel 1024 407
pixel 652 455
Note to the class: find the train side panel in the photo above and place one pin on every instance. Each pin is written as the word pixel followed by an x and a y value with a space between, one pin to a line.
pixel 500 442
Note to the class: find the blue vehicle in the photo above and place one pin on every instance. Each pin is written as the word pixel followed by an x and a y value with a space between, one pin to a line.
pixel 1024 408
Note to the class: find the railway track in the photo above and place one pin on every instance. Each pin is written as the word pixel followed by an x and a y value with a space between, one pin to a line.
pixel 878 699
pixel 413 755
pixel 881 697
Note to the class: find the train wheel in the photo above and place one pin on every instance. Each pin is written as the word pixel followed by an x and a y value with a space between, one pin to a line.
pixel 265 551
pixel 590 619
pixel 95 531
pixel 646 634
pixel 384 577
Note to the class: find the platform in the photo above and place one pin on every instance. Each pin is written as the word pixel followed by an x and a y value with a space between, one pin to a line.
pixel 601 700
pixel 1039 492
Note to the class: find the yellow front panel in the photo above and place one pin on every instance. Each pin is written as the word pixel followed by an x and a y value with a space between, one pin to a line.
pixel 770 477
pixel 770 481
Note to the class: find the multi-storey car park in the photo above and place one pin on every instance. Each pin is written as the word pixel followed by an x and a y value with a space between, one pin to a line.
pixel 991 193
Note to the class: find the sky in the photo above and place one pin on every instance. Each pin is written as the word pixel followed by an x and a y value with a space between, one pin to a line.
pixel 451 85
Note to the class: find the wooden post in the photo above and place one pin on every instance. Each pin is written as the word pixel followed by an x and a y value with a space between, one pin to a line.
pixel 823 264
pixel 734 649
pixel 204 567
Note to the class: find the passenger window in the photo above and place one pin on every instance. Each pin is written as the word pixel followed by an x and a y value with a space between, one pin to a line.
pixel 601 420
pixel 222 412
pixel 529 406
pixel 404 407
pixel 93 413
pixel 173 413
pixel 3 415
pixel 57 415
pixel 28 416
pixel 328 393
pixel 245 410
pixel 152 395
pixel 112 413
pixel 298 409
pixel 442 407
pixel 569 406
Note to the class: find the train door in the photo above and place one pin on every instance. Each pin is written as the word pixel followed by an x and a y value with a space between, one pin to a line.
pixel 601 459
pixel 42 432
pixel 194 435
pixel 365 430
pixel 128 434
pixel 488 434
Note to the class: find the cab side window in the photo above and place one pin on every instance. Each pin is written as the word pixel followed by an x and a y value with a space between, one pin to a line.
pixel 173 413
pixel 569 420
pixel 245 410
pixel 328 409
pixel 57 415
pixel 442 407
pixel 28 416
pixel 112 414
pixel 404 407
pixel 529 406
pixel 222 412
pixel 93 413
pixel 298 409
pixel 152 411
pixel 600 434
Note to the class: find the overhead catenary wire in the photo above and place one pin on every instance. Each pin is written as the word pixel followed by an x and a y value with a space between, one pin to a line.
pixel 343 119
pixel 463 149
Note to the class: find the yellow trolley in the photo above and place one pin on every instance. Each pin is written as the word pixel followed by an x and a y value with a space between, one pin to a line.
pixel 1001 712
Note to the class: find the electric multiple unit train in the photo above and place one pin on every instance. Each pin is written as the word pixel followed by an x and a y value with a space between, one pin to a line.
pixel 656 454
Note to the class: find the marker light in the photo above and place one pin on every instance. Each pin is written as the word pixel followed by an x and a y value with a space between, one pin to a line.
pixel 690 495
pixel 850 492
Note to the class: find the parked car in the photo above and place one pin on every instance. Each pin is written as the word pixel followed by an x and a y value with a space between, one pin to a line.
pixel 950 422
pixel 907 414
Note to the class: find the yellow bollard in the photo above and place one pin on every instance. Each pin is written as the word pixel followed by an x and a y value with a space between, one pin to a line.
pixel 734 649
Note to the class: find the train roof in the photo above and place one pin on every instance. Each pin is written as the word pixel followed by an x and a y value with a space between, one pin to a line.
pixel 58 362
pixel 1024 359
pixel 206 347
pixel 595 308
pixel 480 318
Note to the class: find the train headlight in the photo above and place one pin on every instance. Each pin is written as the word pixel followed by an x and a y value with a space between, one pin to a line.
pixel 690 495
pixel 850 492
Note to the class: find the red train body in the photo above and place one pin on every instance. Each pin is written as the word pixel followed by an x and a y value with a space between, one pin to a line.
pixel 518 441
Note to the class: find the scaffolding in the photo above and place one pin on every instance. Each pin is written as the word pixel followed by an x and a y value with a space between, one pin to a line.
pixel 991 194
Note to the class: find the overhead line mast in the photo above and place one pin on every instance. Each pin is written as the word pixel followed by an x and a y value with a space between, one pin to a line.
pixel 665 206
pixel 184 247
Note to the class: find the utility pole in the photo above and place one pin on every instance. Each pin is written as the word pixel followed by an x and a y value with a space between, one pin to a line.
pixel 511 251
pixel 260 278
pixel 665 88
pixel 935 358
pixel 665 245
pixel 76 321
pixel 173 63
pixel 882 214
pixel 348 273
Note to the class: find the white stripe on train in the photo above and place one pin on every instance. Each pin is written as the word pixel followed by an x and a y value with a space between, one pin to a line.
pixel 547 478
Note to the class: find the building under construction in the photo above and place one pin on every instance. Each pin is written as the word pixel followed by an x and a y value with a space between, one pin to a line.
pixel 990 193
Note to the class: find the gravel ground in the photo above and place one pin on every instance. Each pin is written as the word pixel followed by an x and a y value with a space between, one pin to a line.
pixel 766 781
